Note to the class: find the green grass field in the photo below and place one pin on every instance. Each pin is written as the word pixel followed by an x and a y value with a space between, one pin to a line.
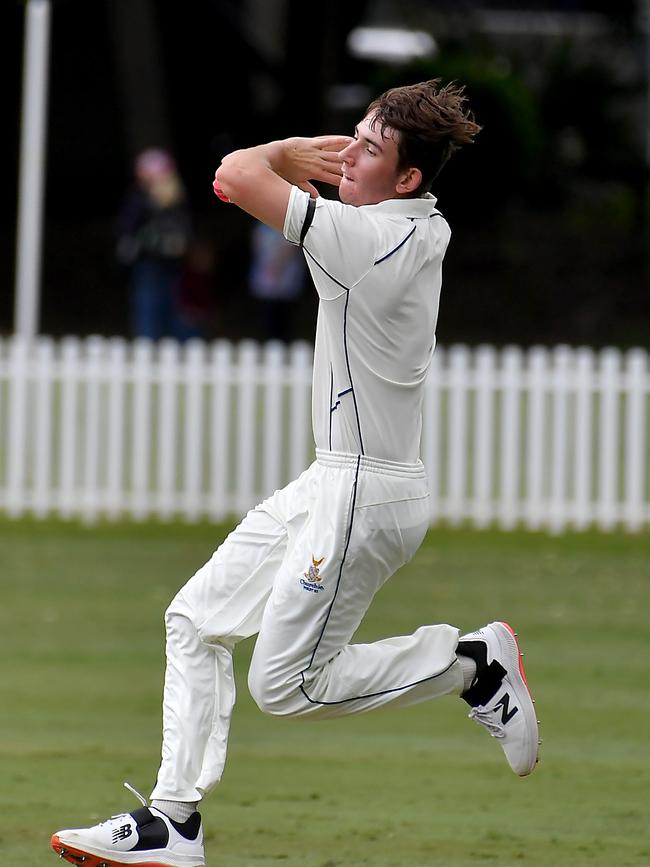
pixel 81 676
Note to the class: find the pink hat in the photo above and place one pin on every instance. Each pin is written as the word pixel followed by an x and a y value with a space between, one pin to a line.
pixel 153 163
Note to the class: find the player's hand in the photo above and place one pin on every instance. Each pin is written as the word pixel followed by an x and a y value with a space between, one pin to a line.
pixel 313 159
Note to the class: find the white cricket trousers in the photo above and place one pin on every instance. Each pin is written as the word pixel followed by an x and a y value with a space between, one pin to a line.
pixel 301 570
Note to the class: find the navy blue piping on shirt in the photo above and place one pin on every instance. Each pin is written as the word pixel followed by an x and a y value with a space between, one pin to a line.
pixel 401 244
pixel 345 345
pixel 335 406
pixel 339 394
pixel 309 217
pixel 329 612
pixel 404 240
pixel 347 363
pixel 331 408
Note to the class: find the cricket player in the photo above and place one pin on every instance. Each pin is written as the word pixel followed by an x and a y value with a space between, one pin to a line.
pixel 303 567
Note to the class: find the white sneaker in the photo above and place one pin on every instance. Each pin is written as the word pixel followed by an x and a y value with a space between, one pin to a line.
pixel 146 837
pixel 499 696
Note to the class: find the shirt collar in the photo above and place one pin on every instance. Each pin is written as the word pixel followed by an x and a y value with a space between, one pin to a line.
pixel 421 207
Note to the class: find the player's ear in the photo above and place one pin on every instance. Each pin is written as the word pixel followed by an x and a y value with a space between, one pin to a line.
pixel 409 180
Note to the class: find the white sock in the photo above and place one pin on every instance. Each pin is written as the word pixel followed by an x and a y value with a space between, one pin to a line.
pixel 468 667
pixel 179 811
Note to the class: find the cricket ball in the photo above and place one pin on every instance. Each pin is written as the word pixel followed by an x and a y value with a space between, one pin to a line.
pixel 219 193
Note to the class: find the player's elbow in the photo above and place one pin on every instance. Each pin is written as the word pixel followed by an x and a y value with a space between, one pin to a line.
pixel 246 179
pixel 234 176
pixel 225 182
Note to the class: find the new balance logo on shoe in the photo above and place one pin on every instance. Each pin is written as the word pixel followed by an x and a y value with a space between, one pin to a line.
pixel 144 836
pixel 500 700
pixel 506 713
pixel 121 833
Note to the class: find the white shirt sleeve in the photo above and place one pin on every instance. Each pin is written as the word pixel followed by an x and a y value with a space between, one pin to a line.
pixel 296 213
pixel 342 240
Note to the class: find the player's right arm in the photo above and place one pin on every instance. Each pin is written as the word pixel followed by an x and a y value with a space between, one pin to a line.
pixel 259 179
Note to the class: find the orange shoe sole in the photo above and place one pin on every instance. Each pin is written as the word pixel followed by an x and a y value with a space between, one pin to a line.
pixel 85 859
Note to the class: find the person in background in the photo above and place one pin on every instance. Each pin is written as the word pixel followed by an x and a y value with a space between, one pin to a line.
pixel 276 281
pixel 197 296
pixel 154 233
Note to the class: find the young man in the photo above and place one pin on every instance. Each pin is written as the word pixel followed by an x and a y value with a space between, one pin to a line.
pixel 302 568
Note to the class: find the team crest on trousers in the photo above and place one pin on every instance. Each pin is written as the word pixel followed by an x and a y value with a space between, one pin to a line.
pixel 312 578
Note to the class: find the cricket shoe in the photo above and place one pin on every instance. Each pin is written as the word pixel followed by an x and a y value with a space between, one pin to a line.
pixel 146 837
pixel 499 696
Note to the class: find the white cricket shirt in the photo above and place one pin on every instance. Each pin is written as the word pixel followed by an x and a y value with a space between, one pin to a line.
pixel 378 272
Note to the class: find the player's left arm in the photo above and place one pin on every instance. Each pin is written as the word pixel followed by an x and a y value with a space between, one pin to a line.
pixel 259 179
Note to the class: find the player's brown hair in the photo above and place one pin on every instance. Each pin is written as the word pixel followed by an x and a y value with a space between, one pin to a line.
pixel 433 121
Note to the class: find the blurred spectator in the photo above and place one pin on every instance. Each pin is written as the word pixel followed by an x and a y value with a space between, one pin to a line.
pixel 197 292
pixel 154 231
pixel 276 281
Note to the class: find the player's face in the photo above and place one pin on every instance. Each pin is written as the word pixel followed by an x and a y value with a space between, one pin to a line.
pixel 369 166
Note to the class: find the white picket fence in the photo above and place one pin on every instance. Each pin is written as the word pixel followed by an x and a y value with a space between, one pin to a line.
pixel 99 428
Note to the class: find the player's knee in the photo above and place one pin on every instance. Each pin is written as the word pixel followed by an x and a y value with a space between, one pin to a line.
pixel 266 697
pixel 273 695
pixel 171 616
pixel 179 624
pixel 175 614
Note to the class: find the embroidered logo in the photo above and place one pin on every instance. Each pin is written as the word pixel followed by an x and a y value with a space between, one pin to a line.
pixel 313 576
